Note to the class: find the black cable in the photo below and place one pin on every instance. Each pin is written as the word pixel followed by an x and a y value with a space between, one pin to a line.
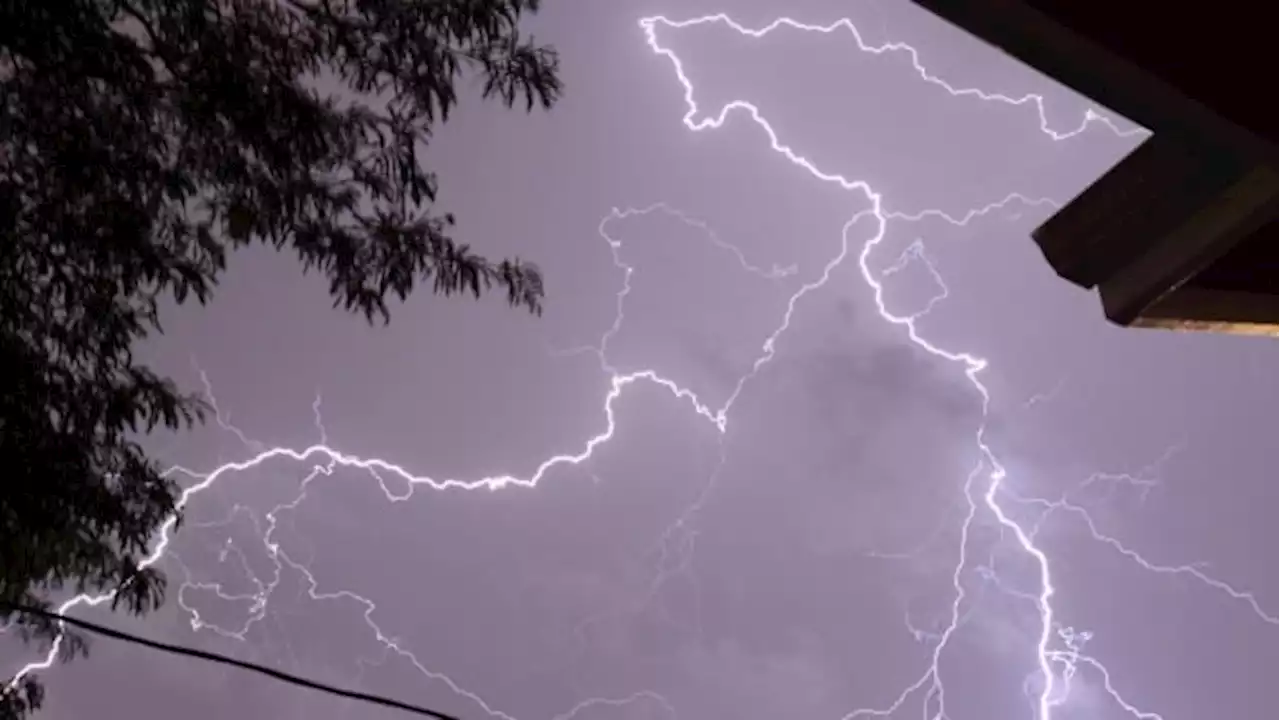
pixel 224 660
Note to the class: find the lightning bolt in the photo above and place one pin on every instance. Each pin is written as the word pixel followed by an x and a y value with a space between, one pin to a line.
pixel 1048 696
pixel 972 365
pixel 1057 648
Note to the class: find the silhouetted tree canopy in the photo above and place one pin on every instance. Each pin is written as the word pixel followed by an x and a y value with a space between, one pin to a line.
pixel 141 141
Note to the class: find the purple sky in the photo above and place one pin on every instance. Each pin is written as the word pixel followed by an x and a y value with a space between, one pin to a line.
pixel 800 564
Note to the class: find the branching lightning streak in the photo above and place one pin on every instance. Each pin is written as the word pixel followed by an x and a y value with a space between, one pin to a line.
pixel 1193 570
pixel 981 495
pixel 973 365
pixel 1033 100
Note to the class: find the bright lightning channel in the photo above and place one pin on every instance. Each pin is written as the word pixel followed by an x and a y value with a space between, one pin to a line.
pixel 325 458
pixel 973 365
pixel 1046 656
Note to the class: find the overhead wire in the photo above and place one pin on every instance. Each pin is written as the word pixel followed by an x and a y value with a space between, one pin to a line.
pixel 216 658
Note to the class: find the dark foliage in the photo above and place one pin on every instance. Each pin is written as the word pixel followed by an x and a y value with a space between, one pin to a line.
pixel 141 141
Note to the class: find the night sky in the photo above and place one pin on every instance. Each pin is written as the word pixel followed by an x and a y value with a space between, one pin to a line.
pixel 618 546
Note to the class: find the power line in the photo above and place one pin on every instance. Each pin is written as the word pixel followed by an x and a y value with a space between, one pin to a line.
pixel 225 660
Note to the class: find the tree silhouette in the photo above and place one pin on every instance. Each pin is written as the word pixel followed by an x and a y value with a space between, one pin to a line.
pixel 141 141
